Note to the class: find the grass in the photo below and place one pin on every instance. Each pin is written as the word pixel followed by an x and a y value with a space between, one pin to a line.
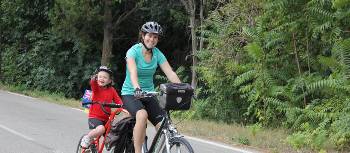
pixel 57 98
pixel 260 139
pixel 254 137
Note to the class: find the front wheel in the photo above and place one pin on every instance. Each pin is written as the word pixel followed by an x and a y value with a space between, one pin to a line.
pixel 91 149
pixel 179 145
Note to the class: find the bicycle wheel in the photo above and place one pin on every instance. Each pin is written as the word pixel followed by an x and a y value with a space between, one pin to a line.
pixel 160 145
pixel 179 145
pixel 91 149
pixel 129 147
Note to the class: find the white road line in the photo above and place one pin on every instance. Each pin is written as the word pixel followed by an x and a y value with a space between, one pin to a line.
pixel 16 133
pixel 78 109
pixel 217 144
pixel 20 95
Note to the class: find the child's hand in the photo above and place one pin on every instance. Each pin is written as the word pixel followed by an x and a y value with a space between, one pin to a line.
pixel 94 77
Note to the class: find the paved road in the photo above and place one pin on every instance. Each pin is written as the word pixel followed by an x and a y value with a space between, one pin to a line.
pixel 29 125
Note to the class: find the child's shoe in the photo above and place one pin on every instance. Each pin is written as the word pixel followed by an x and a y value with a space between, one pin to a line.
pixel 85 141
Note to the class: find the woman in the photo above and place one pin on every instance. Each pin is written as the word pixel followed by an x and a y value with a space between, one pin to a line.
pixel 142 60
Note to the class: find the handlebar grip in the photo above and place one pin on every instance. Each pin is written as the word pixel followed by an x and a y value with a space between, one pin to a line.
pixel 112 105
pixel 87 103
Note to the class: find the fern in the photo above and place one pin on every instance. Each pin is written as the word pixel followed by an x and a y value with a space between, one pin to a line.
pixel 250 32
pixel 277 5
pixel 274 39
pixel 324 84
pixel 341 3
pixel 246 89
pixel 243 78
pixel 341 52
pixel 327 61
pixel 254 51
pixel 278 104
pixel 323 14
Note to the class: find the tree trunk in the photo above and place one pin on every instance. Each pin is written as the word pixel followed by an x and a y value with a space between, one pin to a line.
pixel 107 34
pixel 190 6
pixel 201 17
pixel 194 51
pixel 1 50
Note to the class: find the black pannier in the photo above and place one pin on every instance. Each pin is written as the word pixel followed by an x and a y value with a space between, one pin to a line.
pixel 175 96
pixel 120 135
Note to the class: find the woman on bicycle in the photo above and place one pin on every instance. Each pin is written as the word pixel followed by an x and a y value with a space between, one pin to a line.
pixel 142 60
pixel 102 91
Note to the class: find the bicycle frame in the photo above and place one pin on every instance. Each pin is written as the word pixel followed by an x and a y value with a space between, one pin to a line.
pixel 107 126
pixel 166 135
pixel 166 129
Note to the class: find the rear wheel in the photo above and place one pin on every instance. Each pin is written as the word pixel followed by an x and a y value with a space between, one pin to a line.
pixel 129 147
pixel 179 145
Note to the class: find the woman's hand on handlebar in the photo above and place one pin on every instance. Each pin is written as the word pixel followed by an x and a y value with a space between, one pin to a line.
pixel 138 93
pixel 145 94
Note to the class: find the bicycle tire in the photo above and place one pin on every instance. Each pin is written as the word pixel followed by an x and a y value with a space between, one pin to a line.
pixel 179 145
pixel 128 149
pixel 91 149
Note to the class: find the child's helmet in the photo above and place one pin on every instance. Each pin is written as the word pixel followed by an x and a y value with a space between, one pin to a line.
pixel 152 27
pixel 105 69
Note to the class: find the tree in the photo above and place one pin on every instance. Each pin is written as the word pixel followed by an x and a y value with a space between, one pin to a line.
pixel 190 6
pixel 222 60
pixel 111 23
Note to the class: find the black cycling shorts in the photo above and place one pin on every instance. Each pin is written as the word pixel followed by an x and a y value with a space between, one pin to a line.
pixel 93 123
pixel 150 104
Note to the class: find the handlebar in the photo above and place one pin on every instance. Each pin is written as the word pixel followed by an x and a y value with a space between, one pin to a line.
pixel 146 94
pixel 110 105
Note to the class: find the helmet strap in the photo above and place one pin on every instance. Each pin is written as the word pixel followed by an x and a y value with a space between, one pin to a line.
pixel 148 49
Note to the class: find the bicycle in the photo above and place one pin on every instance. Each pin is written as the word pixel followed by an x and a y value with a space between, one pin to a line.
pixel 167 138
pixel 95 146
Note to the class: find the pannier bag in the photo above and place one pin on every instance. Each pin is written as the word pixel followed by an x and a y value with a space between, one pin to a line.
pixel 175 96
pixel 120 136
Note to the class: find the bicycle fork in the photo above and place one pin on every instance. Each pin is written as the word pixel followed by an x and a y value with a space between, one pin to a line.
pixel 167 144
pixel 163 143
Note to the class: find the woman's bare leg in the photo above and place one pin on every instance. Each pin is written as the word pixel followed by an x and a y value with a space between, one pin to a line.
pixel 140 129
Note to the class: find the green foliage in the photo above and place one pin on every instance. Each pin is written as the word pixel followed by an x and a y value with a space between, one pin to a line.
pixel 181 73
pixel 340 128
pixel 341 52
pixel 56 45
pixel 255 51
pixel 243 140
pixel 225 42
pixel 341 3
pixel 297 140
pixel 254 129
pixel 291 71
pixel 266 63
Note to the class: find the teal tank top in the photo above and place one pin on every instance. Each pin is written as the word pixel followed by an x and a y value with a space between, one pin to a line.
pixel 145 70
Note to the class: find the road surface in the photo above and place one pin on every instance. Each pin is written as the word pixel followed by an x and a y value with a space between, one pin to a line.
pixel 30 125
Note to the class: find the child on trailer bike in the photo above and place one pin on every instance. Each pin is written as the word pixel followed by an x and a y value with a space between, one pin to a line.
pixel 103 92
pixel 142 60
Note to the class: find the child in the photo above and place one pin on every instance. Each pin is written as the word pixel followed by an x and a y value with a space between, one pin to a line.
pixel 103 92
